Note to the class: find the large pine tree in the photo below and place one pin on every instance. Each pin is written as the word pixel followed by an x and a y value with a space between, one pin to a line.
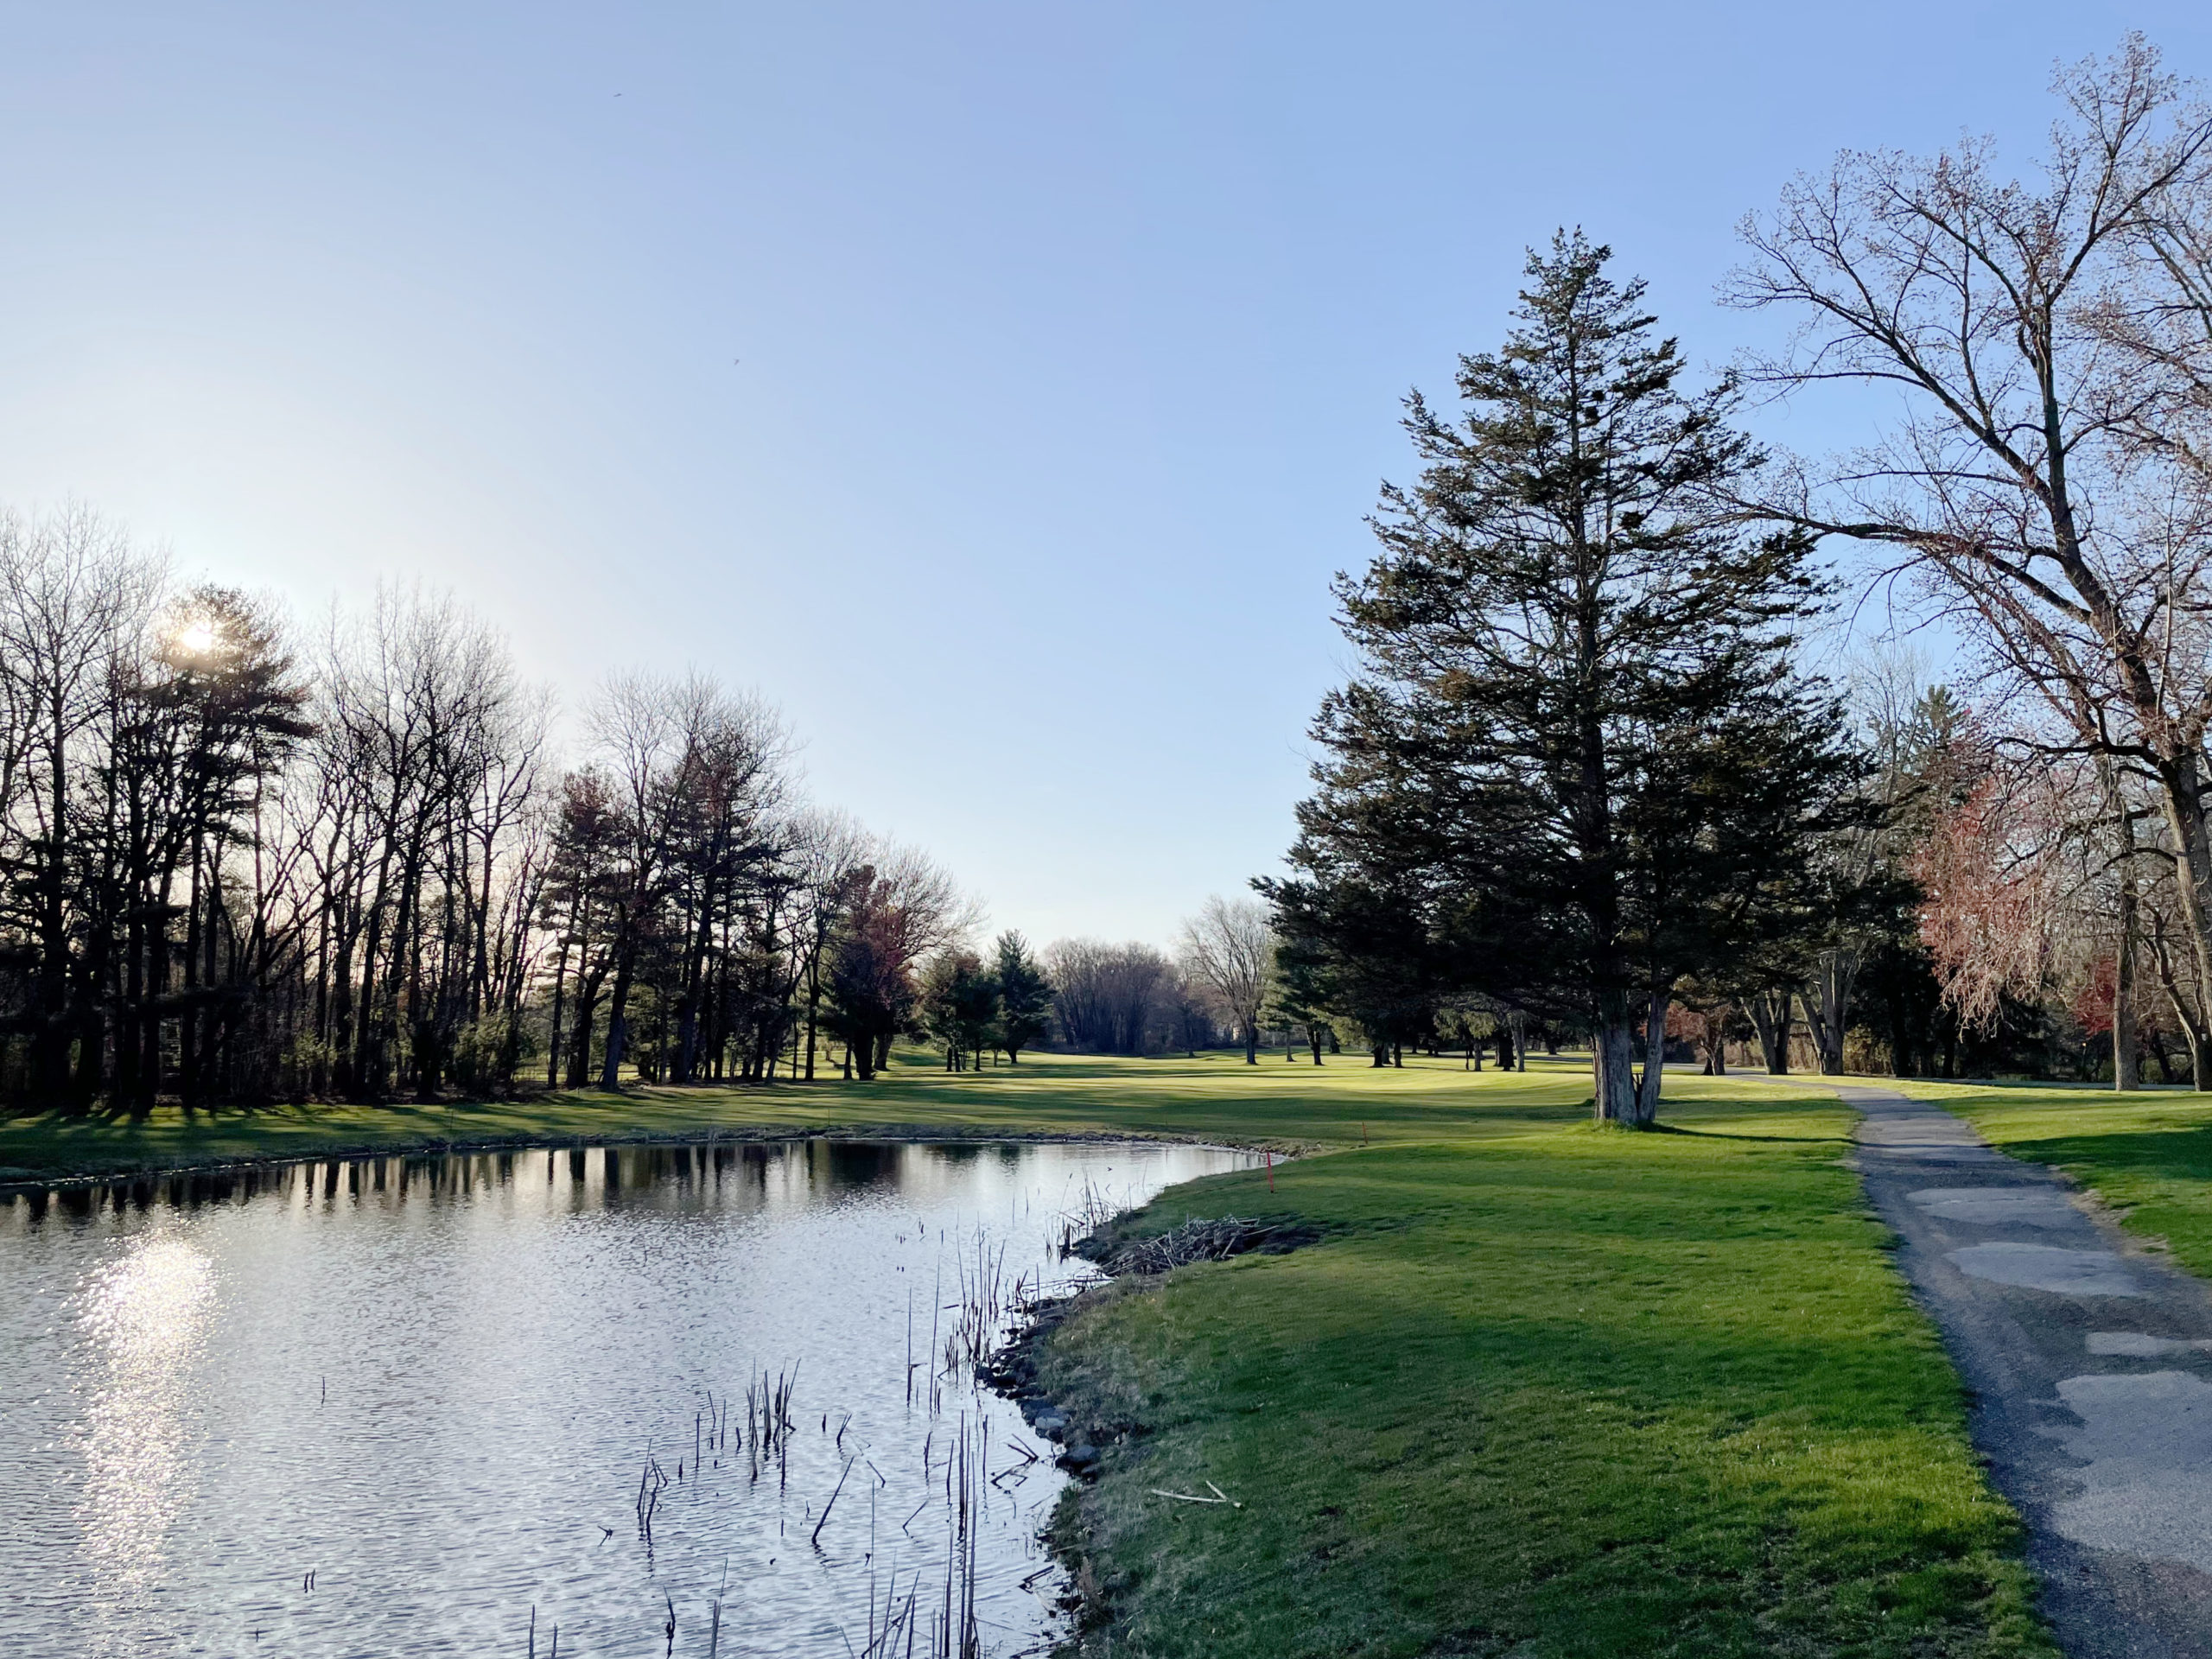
pixel 1575 741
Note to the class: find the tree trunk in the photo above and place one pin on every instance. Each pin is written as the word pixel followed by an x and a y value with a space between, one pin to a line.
pixel 187 1046
pixel 1770 1012
pixel 813 1013
pixel 2192 882
pixel 1612 1060
pixel 1251 1042
pixel 157 985
pixel 2183 1005
pixel 553 1036
pixel 2125 1062
pixel 1828 1008
pixel 1654 1057
pixel 617 1031
pixel 2126 1065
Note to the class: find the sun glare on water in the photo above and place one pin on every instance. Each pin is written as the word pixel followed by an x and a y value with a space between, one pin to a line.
pixel 146 1316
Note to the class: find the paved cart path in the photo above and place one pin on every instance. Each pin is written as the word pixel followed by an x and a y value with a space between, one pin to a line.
pixel 2090 1364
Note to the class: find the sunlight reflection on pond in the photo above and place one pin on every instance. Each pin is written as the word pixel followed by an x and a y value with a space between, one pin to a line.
pixel 144 1314
pixel 433 1384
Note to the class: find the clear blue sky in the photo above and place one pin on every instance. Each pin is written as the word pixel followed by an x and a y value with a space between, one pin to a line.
pixel 995 388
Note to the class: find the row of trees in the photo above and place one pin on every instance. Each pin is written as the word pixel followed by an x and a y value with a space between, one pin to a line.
pixel 1582 772
pixel 240 862
pixel 1136 998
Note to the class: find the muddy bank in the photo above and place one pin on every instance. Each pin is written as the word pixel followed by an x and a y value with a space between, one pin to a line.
pixel 1088 1431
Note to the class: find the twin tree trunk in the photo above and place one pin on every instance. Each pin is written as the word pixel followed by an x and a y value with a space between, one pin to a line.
pixel 1612 1063
pixel 1827 1007
pixel 1770 1012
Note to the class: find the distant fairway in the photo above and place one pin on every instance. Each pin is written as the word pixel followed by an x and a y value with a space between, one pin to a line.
pixel 1540 1390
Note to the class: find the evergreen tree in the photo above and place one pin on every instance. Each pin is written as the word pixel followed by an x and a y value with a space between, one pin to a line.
pixel 1575 753
pixel 1354 953
pixel 959 1005
pixel 1024 995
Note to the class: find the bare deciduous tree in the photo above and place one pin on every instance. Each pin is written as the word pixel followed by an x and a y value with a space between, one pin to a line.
pixel 1108 998
pixel 2047 485
pixel 1229 947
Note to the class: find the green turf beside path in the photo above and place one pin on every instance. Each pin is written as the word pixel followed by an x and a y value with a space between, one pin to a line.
pixel 2147 1156
pixel 1541 1390
pixel 1545 1391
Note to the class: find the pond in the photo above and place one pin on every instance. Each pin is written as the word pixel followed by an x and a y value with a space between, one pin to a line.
pixel 447 1404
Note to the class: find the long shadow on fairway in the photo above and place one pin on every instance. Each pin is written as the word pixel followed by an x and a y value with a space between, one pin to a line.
pixel 1716 1135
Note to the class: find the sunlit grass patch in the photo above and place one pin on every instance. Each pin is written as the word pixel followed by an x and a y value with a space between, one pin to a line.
pixel 1556 1392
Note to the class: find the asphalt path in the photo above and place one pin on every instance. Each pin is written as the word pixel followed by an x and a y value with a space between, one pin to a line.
pixel 2089 1362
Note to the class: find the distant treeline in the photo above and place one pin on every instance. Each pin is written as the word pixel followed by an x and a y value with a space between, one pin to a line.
pixel 240 861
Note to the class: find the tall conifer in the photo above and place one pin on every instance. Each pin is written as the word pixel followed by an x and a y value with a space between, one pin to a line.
pixel 1575 739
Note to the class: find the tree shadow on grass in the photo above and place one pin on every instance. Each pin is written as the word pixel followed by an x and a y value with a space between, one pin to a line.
pixel 1721 1135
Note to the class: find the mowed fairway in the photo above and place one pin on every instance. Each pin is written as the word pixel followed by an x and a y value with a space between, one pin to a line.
pixel 1540 1390
pixel 1545 1391
pixel 1216 1096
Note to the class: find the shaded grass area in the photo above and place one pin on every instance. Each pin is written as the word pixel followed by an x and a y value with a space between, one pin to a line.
pixel 2147 1155
pixel 1541 1390
pixel 1557 1391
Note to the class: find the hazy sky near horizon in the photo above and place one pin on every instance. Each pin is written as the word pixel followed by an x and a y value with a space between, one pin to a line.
pixel 995 388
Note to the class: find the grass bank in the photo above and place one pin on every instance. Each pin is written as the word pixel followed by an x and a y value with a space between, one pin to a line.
pixel 2148 1156
pixel 1541 1390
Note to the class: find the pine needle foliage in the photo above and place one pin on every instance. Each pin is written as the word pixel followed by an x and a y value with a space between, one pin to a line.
pixel 1577 752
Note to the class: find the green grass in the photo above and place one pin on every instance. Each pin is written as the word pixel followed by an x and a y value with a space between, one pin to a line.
pixel 1045 1094
pixel 1545 1390
pixel 2147 1155
pixel 1540 1390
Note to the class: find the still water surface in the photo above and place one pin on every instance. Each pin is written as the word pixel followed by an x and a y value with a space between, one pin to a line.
pixel 433 1384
